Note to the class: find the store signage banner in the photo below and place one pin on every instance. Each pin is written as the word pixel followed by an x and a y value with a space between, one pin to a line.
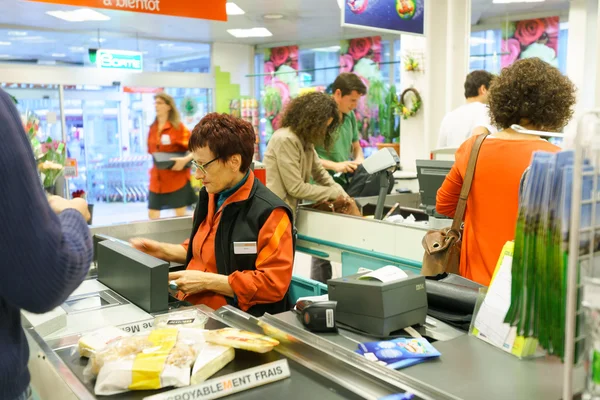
pixel 530 38
pixel 396 16
pixel 210 9
pixel 119 59
pixel 281 84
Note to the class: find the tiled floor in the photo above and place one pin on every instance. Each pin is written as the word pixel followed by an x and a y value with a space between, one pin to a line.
pixel 119 213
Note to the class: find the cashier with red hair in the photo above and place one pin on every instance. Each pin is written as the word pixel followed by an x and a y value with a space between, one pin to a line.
pixel 241 249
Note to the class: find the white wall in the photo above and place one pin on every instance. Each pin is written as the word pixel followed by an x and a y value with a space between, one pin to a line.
pixel 238 60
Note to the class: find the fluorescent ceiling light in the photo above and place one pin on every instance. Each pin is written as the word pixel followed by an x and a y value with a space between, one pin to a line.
pixel 248 33
pixel 5 43
pixel 75 49
pixel 516 1
pixel 233 9
pixel 79 15
pixel 59 55
pixel 17 33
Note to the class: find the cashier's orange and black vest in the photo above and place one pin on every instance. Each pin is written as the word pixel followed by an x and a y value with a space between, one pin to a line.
pixel 241 222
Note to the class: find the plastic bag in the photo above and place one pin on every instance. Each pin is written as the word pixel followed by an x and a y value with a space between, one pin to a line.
pixel 98 340
pixel 152 360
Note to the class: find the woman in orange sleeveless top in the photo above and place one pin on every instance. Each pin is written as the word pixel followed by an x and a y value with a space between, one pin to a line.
pixel 169 188
pixel 530 93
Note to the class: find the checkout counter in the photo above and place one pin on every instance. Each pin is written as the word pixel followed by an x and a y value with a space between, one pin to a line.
pixel 322 365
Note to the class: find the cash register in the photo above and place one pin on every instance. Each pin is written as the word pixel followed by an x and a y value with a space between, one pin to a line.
pixel 431 175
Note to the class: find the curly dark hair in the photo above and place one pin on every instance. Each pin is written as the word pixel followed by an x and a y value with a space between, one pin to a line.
pixel 307 117
pixel 531 92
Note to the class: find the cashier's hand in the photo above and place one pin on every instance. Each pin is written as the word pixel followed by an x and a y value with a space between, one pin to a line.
pixel 346 167
pixel 59 204
pixel 190 282
pixel 180 163
pixel 150 247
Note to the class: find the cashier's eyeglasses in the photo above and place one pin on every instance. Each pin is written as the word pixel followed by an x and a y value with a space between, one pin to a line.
pixel 202 167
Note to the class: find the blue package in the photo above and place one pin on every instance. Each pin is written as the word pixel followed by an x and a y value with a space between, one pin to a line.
pixel 400 352
pixel 399 396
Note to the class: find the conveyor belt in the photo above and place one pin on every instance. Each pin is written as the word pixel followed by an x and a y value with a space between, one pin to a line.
pixel 303 383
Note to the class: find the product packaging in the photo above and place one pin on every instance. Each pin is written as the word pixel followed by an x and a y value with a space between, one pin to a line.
pixel 398 353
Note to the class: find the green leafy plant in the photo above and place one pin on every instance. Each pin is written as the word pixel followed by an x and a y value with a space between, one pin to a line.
pixel 272 101
pixel 389 126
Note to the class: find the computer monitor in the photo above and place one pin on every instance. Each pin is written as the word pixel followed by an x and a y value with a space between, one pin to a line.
pixel 431 175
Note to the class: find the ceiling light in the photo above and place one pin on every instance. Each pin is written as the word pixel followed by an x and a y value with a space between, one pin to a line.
pixel 247 33
pixel 166 45
pixel 273 16
pixel 17 33
pixel 233 9
pixel 98 40
pixel 59 55
pixel 80 15
pixel 5 43
pixel 75 49
pixel 516 1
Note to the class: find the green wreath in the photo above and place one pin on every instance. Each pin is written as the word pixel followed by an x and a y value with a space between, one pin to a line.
pixel 402 107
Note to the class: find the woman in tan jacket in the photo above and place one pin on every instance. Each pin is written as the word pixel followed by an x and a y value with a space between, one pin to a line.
pixel 291 159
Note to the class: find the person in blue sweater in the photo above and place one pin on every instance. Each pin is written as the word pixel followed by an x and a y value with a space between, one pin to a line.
pixel 45 249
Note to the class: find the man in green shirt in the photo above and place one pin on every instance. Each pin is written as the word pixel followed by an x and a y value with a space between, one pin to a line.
pixel 346 154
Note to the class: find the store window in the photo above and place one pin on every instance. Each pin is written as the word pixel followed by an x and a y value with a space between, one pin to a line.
pixel 73 49
pixel 320 66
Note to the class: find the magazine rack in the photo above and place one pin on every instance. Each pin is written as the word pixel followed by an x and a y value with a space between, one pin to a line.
pixel 586 146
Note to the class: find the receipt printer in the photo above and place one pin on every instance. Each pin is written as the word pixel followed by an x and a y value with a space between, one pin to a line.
pixel 376 307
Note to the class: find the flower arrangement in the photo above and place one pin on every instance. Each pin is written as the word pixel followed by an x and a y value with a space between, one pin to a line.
pixel 530 38
pixel 50 155
pixel 403 108
pixel 411 64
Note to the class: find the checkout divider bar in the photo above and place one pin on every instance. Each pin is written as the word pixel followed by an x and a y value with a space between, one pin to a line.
pixel 373 254
pixel 341 366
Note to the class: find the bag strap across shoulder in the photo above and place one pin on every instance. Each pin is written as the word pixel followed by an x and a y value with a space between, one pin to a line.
pixel 466 186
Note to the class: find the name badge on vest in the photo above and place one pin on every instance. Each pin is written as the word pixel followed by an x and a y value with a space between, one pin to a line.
pixel 244 248
pixel 165 139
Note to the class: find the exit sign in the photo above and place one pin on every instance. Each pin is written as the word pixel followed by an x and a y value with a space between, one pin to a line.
pixel 119 59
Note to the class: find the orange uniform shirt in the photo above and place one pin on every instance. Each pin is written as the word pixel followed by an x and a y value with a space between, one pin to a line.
pixel 269 282
pixel 169 140
pixel 492 206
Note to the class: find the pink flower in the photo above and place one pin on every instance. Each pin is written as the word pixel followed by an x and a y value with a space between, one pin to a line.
pixel 293 52
pixel 279 55
pixel 377 56
pixel 269 69
pixel 529 31
pixel 376 46
pixel 284 91
pixel 512 47
pixel 346 63
pixel 552 28
pixel 362 108
pixel 359 48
